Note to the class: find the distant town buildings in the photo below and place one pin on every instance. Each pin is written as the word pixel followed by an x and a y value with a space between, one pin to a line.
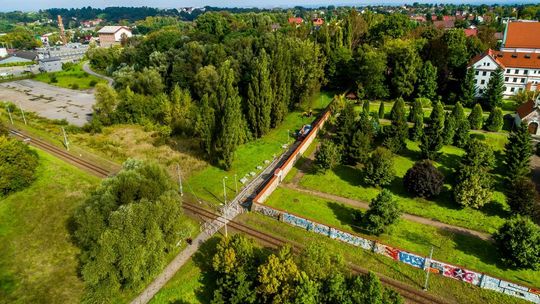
pixel 49 65
pixel 71 52
pixel 113 35
pixel 91 23
pixel 20 57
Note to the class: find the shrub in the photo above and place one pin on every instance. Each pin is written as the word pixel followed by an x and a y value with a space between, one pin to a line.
pixel 92 83
pixel 423 179
pixel 74 86
pixel 522 197
pixel 52 78
pixel 476 118
pixel 379 169
pixel 383 211
pixel 495 120
pixel 327 156
pixel 518 241
pixel 18 165
pixel 473 188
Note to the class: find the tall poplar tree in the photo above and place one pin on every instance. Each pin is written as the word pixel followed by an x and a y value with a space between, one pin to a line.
pixel 432 140
pixel 396 134
pixel 259 96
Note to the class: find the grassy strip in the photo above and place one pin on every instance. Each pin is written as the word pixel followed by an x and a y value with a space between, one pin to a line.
pixel 208 184
pixel 72 78
pixel 347 181
pixel 38 262
pixel 450 247
pixel 449 289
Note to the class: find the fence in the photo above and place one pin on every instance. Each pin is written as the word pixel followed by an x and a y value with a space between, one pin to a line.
pixel 451 271
pixel 284 169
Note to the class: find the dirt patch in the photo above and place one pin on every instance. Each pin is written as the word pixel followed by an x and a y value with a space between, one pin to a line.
pixel 49 101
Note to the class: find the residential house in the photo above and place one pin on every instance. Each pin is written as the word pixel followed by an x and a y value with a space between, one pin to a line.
pixel 529 113
pixel 317 22
pixel 296 21
pixel 113 35
pixel 522 37
pixel 20 57
pixel 469 32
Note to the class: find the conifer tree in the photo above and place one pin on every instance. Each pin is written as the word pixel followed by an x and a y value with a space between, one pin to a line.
pixel 427 81
pixel 476 118
pixel 205 125
pixel 396 134
pixel 462 136
pixel 468 88
pixel 365 107
pixel 432 140
pixel 493 95
pixel 381 110
pixel 345 125
pixel 417 117
pixel 495 120
pixel 450 127
pixel 383 211
pixel 518 152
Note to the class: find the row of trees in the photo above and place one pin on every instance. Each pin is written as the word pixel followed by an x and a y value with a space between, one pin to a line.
pixel 245 274
pixel 126 228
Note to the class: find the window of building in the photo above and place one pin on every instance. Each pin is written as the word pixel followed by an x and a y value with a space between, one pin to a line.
pixel 514 80
pixel 525 72
pixel 488 64
pixel 484 73
pixel 507 70
pixel 512 90
pixel 506 79
pixel 522 80
pixel 517 71
pixel 482 81
pixel 477 72
pixel 481 91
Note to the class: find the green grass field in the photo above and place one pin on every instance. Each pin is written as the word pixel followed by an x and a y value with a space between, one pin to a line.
pixel 38 263
pixel 454 248
pixel 347 181
pixel 72 78
pixel 208 184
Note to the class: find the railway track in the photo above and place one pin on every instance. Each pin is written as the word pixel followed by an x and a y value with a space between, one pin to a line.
pixel 410 294
pixel 60 153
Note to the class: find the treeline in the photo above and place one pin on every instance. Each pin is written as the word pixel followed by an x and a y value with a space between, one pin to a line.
pixel 239 79
pixel 247 274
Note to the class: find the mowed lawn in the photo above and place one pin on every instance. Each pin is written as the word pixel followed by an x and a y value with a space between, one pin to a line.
pixel 38 263
pixel 347 181
pixel 454 248
pixel 208 184
pixel 72 78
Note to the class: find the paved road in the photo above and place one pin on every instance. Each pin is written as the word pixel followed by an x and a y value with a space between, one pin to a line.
pixel 87 69
pixel 229 212
pixel 410 217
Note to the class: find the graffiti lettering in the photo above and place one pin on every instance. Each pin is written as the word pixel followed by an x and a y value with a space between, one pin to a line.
pixel 412 259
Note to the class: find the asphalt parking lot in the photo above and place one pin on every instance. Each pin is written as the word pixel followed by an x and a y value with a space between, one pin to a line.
pixel 49 101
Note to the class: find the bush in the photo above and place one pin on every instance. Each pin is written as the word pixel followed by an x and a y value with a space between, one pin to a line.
pixel 379 169
pixel 495 120
pixel 518 241
pixel 18 165
pixel 74 86
pixel 327 156
pixel 476 118
pixel 473 188
pixel 92 83
pixel 423 180
pixel 383 211
pixel 52 78
pixel 521 196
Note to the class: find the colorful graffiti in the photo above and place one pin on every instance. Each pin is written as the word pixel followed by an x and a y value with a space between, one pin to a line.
pixel 447 270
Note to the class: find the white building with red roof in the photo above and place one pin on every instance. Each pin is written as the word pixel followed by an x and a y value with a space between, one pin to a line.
pixel 522 37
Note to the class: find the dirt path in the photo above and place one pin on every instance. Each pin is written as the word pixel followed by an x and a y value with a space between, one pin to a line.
pixel 304 167
pixel 410 217
pixel 87 69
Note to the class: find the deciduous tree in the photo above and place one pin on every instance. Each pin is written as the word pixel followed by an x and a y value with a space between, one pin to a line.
pixel 518 240
pixel 383 211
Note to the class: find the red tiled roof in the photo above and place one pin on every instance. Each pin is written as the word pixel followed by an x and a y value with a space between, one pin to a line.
pixel 523 34
pixel 318 21
pixel 525 109
pixel 471 32
pixel 296 20
pixel 448 24
pixel 511 59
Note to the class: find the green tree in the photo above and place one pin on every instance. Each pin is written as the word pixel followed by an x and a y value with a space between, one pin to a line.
pixel 427 81
pixel 18 165
pixel 205 126
pixel 278 277
pixel 205 81
pixel 403 64
pixel 344 125
pixel 372 67
pixel 381 110
pixel 319 263
pixel 518 240
pixel 462 135
pixel 432 140
pixel 359 148
pixel 476 118
pixel 517 153
pixel 365 107
pixel 397 133
pixel 479 155
pixel 522 197
pixel 379 169
pixel 106 102
pixel 450 126
pixel 328 156
pixel 495 120
pixel 383 211
pixel 417 117
pixel 473 188
pixel 493 95
pixel 423 180
pixel 468 88
pixel 260 96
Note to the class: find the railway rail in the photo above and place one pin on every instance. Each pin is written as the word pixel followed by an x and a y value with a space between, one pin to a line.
pixel 81 163
pixel 410 294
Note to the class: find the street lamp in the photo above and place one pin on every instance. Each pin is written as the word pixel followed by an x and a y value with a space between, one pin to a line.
pixel 224 191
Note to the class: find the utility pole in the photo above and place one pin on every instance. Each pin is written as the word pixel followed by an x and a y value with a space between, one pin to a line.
pixel 288 136
pixel 24 118
pixel 66 142
pixel 236 183
pixel 9 113
pixel 179 180
pixel 427 269
pixel 224 192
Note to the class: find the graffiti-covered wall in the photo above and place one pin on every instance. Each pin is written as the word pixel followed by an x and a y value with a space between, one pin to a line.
pixel 414 260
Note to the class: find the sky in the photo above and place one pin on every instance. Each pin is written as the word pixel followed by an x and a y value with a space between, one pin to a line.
pixel 33 5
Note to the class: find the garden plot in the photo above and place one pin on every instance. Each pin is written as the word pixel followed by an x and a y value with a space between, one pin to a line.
pixel 49 101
